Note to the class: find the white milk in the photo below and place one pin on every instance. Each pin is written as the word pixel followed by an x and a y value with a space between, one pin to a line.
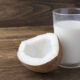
pixel 69 35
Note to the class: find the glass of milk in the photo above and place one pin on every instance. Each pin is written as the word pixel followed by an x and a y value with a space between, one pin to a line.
pixel 67 27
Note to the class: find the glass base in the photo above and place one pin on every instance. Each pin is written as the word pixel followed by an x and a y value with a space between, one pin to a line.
pixel 70 66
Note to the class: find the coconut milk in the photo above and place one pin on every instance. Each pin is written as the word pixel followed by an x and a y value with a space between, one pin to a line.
pixel 69 34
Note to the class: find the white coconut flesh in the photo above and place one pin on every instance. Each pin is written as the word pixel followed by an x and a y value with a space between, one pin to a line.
pixel 39 50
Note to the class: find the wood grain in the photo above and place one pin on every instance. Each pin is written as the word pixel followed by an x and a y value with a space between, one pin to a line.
pixel 30 12
pixel 12 69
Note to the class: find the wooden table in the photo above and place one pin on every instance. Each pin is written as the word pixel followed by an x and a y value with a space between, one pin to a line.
pixel 12 69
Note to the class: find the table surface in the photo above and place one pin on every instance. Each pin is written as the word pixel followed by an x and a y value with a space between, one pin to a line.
pixel 12 69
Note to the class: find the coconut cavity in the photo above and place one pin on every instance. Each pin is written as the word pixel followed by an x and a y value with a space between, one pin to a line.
pixel 38 49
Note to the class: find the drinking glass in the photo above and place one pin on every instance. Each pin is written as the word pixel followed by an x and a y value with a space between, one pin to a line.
pixel 66 24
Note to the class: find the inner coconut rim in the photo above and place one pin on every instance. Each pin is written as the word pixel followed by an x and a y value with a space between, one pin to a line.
pixel 39 50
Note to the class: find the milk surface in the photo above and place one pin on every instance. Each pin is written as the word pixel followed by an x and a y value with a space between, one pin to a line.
pixel 69 34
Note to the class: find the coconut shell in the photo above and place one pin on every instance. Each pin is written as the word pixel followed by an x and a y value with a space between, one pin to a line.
pixel 49 66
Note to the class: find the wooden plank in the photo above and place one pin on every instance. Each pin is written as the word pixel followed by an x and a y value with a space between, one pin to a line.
pixel 30 12
pixel 23 32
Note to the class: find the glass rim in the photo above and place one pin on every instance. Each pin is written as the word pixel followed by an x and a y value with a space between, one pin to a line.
pixel 55 11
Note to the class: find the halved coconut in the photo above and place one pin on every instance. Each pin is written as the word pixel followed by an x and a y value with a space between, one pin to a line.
pixel 41 53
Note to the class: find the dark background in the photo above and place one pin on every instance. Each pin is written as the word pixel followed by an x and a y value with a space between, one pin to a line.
pixel 31 12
